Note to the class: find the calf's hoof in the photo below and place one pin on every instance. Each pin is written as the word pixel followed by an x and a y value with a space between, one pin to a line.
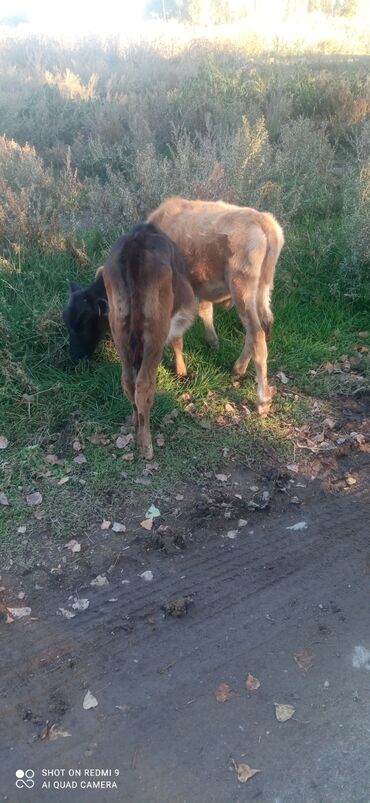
pixel 239 369
pixel 263 408
pixel 147 452
pixel 213 341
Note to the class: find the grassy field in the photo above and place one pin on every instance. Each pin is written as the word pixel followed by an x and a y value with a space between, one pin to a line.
pixel 89 147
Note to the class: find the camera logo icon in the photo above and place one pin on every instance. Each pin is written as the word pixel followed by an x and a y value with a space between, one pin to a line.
pixel 25 778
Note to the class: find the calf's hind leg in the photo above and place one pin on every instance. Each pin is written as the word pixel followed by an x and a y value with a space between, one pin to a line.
pixel 255 342
pixel 144 395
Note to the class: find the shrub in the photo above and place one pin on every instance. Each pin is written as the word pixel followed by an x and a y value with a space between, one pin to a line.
pixel 353 279
pixel 304 169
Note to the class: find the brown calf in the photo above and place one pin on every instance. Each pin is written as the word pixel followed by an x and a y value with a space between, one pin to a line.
pixel 231 253
pixel 150 302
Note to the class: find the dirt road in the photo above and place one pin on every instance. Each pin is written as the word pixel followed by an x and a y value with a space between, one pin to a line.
pixel 262 593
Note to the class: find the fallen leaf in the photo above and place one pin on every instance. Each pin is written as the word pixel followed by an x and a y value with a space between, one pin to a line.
pixel 300 525
pixel 21 595
pixel 67 614
pixel 351 480
pixel 329 422
pixel 232 534
pixel 80 604
pixel 148 575
pixel 8 619
pixel 100 580
pixel 242 523
pixel 4 499
pixel 179 497
pixel 77 446
pixel 293 467
pixel 63 480
pixel 34 499
pixel 328 367
pixel 98 440
pixel 283 377
pixel 105 524
pixel 80 459
pixel 124 440
pixel 363 334
pixel 73 545
pixel 118 528
pixel 53 460
pixel 3 442
pixel 89 701
pixel 21 530
pixel 283 712
pixel 224 693
pixel 222 477
pixel 147 524
pixel 53 732
pixel 128 456
pixel 18 613
pixel 245 772
pixel 160 440
pixel 152 512
pixel 252 683
pixel 304 660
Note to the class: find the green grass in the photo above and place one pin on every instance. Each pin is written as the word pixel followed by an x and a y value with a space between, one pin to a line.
pixel 46 402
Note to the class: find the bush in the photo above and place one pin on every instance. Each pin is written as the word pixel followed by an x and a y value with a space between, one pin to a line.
pixel 305 170
pixel 33 203
pixel 353 280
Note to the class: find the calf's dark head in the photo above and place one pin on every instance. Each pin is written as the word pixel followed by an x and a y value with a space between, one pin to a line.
pixel 86 317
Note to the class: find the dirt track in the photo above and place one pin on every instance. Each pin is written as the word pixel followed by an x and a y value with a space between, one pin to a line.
pixel 259 599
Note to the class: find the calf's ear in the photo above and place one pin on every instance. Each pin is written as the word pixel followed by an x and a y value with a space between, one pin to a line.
pixel 73 286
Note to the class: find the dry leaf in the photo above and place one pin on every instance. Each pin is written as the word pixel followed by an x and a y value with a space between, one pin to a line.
pixel 222 477
pixel 124 440
pixel 105 524
pixel 148 575
pixel 98 440
pixel 63 480
pixel 329 422
pixel 89 701
pixel 21 530
pixel 67 614
pixel 80 604
pixel 283 377
pixel 245 772
pixel 18 613
pixel 53 460
pixel 77 446
pixel 128 456
pixel 304 660
pixel 363 334
pixel 300 525
pixel 4 499
pixel 100 580
pixel 147 524
pixel 293 467
pixel 80 459
pixel 73 545
pixel 351 480
pixel 3 442
pixel 252 683
pixel 224 693
pixel 53 732
pixel 283 712
pixel 118 528
pixel 160 439
pixel 34 499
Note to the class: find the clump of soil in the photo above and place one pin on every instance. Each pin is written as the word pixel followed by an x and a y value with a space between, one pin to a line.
pixel 167 539
pixel 177 607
